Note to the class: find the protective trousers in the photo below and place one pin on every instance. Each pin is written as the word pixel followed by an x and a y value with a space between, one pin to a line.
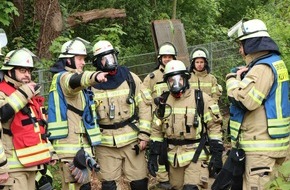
pixel 162 174
pixel 193 174
pixel 114 162
pixel 21 180
pixel 259 170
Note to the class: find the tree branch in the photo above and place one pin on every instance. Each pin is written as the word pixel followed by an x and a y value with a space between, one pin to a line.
pixel 84 17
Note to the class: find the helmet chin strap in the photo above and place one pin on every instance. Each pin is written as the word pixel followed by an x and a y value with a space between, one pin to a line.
pixel 13 74
pixel 72 63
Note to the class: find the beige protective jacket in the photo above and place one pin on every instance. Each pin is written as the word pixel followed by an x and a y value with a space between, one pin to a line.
pixel 154 82
pixel 67 148
pixel 179 126
pixel 115 100
pixel 207 83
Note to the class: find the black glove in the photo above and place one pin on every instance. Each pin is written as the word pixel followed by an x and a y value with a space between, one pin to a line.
pixel 215 164
pixel 152 164
pixel 154 148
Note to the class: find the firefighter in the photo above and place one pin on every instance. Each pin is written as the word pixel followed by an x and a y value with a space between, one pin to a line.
pixel 3 160
pixel 154 82
pixel 260 110
pixel 124 110
pixel 71 121
pixel 201 77
pixel 185 119
pixel 23 117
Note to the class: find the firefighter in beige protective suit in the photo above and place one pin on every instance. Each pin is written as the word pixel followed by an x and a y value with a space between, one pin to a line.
pixel 155 84
pixel 71 118
pixel 200 74
pixel 260 110
pixel 124 111
pixel 23 119
pixel 185 121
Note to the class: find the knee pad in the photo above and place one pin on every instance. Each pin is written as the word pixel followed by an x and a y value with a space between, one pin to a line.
pixel 141 184
pixel 190 187
pixel 109 185
pixel 86 186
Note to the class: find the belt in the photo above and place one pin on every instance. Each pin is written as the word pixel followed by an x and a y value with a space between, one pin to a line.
pixel 122 124
pixel 179 142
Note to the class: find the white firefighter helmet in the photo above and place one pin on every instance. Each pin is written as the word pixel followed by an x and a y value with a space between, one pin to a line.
pixel 176 76
pixel 174 66
pixel 248 29
pixel 102 47
pixel 198 53
pixel 73 47
pixel 18 58
pixel 167 49
pixel 105 56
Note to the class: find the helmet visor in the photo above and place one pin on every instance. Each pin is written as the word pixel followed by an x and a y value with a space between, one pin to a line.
pixel 109 61
pixel 176 83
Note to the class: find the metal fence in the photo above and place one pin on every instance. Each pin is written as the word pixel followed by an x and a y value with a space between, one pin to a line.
pixel 222 57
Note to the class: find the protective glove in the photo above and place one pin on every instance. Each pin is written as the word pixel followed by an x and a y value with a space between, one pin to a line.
pixel 80 175
pixel 152 164
pixel 215 164
pixel 78 167
pixel 155 149
pixel 91 163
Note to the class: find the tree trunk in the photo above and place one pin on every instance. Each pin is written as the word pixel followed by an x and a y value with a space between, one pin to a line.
pixel 174 9
pixel 18 20
pixel 49 15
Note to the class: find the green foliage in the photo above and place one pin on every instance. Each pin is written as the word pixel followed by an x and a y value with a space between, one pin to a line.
pixel 9 11
pixel 283 180
pixel 27 34
pixel 277 21
pixel 236 10
pixel 112 34
pixel 55 171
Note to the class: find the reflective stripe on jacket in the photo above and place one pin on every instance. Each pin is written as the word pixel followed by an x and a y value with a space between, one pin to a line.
pixel 27 128
pixel 179 126
pixel 112 108
pixel 207 83
pixel 57 113
pixel 277 104
pixel 275 107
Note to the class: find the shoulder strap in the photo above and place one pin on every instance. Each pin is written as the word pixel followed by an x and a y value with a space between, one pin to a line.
pixel 199 103
pixel 200 111
pixel 132 87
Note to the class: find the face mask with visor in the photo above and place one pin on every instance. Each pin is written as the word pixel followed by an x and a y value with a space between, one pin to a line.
pixel 109 62
pixel 177 84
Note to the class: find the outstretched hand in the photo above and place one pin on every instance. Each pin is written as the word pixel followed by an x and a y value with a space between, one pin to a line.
pixel 102 77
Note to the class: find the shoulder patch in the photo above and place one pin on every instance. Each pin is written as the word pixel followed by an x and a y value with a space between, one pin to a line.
pixel 151 75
